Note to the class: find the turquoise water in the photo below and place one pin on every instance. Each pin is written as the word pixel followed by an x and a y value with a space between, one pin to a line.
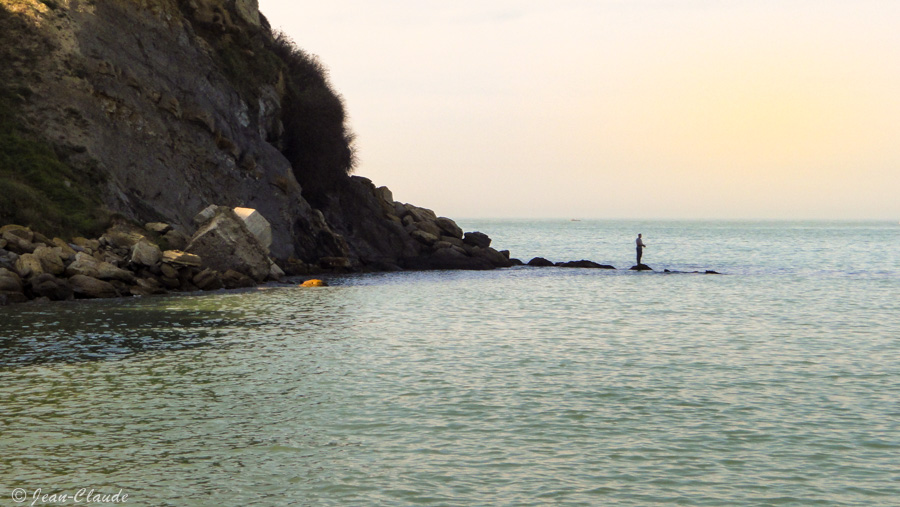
pixel 775 384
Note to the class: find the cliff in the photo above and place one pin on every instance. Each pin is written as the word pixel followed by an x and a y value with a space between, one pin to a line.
pixel 152 110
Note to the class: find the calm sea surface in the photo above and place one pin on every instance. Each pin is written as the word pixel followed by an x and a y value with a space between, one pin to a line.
pixel 777 383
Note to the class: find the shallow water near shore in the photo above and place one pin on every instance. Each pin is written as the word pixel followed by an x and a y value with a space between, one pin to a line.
pixel 776 383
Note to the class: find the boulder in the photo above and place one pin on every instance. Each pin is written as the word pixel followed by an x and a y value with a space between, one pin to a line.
pixel 206 214
pixel 476 238
pixel 385 200
pixel 9 281
pixel 421 214
pixel 248 10
pixel 28 265
pixel 234 280
pixel 40 239
pixel 583 264
pixel 171 283
pixel 90 287
pixel 158 227
pixel 275 272
pixel 66 252
pixel 18 239
pixel 224 242
pixel 428 226
pixel 87 245
pixel 424 237
pixel 168 270
pixel 8 259
pixel 145 253
pixel 208 279
pixel 177 240
pixel 87 265
pixel 454 258
pixel 641 267
pixel 449 227
pixel 385 194
pixel 257 224
pixel 147 287
pixel 50 259
pixel 179 258
pixel 122 236
pixel 496 258
pixel 454 241
pixel 50 287
pixel 18 231
pixel 540 262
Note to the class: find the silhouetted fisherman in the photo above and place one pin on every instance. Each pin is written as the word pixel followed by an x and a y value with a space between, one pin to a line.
pixel 640 249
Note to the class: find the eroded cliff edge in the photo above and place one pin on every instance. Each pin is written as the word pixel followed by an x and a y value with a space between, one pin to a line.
pixel 155 109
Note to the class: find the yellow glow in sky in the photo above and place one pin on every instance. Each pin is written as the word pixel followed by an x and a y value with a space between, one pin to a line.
pixel 631 109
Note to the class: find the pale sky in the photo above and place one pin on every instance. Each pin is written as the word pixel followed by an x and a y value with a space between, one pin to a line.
pixel 618 108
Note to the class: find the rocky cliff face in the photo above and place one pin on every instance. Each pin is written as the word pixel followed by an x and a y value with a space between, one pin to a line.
pixel 143 100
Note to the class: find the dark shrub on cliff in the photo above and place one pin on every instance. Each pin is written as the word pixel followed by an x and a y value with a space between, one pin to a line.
pixel 316 140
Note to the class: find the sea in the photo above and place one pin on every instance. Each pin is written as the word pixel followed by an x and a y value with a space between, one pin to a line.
pixel 776 382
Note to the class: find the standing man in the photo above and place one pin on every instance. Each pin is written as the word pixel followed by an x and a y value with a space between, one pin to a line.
pixel 640 249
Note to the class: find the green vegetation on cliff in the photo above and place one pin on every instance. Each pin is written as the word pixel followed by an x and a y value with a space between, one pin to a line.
pixel 37 189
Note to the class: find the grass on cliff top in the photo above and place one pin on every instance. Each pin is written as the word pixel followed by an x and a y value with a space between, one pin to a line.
pixel 37 189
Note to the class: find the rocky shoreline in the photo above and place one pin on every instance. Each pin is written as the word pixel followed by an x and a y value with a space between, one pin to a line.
pixel 228 250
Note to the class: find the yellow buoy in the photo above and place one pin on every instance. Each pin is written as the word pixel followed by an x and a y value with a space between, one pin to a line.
pixel 314 283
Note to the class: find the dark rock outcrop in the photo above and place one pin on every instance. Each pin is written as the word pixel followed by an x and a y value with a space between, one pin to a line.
pixel 540 262
pixel 641 267
pixel 583 264
pixel 478 239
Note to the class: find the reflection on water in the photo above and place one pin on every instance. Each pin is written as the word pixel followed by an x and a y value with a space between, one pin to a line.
pixel 86 331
